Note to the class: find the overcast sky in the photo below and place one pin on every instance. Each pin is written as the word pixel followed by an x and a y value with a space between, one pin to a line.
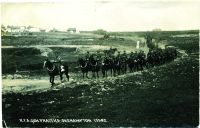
pixel 111 15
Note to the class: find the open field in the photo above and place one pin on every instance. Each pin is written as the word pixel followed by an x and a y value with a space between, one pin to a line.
pixel 165 95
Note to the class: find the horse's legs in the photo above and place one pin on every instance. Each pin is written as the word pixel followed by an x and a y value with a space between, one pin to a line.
pixel 87 75
pixel 93 74
pixel 106 73
pixel 67 75
pixel 97 74
pixel 50 79
pixel 53 80
pixel 61 77
pixel 125 68
pixel 103 72
pixel 131 68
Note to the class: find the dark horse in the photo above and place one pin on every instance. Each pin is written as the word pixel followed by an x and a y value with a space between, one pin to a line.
pixel 95 67
pixel 117 66
pixel 54 70
pixel 107 64
pixel 87 66
pixel 123 63
pixel 131 64
pixel 84 66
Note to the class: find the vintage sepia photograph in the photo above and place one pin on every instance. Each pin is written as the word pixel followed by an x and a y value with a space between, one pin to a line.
pixel 100 63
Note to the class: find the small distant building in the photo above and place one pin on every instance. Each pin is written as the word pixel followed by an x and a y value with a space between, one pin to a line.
pixel 33 29
pixel 71 30
pixel 14 29
pixel 42 30
pixel 53 30
pixel 48 30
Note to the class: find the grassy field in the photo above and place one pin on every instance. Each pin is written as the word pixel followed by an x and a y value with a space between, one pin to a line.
pixel 166 95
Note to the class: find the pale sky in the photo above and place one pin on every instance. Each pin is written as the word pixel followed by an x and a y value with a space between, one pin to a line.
pixel 111 15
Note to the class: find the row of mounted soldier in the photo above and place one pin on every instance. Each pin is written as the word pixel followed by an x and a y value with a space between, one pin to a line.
pixel 115 64
pixel 120 63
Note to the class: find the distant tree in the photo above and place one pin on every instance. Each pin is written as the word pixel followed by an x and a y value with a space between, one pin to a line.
pixel 100 32
pixel 3 30
pixel 149 41
pixel 106 36
pixel 29 27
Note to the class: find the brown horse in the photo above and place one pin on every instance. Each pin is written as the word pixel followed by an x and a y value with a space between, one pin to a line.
pixel 91 65
pixel 54 70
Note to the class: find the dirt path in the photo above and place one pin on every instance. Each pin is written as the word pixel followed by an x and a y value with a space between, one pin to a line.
pixel 36 85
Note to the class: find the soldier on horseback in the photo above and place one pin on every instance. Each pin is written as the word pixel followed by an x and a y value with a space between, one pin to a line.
pixel 131 55
pixel 130 61
pixel 98 56
pixel 123 60
pixel 87 56
pixel 62 68
pixel 54 70
pixel 118 55
pixel 124 55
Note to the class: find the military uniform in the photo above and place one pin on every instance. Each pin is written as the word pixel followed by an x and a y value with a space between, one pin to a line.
pixel 118 56
pixel 87 56
pixel 124 55
pixel 98 56
pixel 131 55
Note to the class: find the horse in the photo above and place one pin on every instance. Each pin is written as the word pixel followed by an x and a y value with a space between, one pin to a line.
pixel 89 65
pixel 53 70
pixel 123 65
pixel 84 65
pixel 131 64
pixel 117 66
pixel 150 61
pixel 95 67
pixel 107 64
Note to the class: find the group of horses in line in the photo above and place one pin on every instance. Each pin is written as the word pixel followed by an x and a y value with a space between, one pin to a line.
pixel 116 65
pixel 120 65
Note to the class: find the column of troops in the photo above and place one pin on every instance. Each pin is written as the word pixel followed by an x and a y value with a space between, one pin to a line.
pixel 120 63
